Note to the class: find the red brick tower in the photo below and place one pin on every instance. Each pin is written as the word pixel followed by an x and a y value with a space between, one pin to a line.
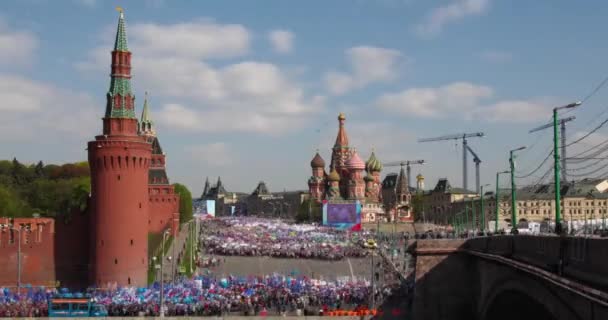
pixel 164 202
pixel 356 184
pixel 372 179
pixel 119 162
pixel 316 183
pixel 340 154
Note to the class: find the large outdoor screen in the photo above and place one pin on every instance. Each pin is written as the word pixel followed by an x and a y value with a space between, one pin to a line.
pixel 211 207
pixel 341 215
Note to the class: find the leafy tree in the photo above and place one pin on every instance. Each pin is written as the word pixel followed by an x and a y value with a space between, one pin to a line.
pixel 39 169
pixel 309 211
pixel 5 167
pixel 185 202
pixel 418 206
pixel 11 205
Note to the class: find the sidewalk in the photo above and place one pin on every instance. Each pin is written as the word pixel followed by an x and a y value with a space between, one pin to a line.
pixel 177 245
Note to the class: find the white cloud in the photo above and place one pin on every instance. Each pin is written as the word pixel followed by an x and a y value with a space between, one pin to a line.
pixel 217 154
pixel 248 95
pixel 364 136
pixel 439 17
pixel 368 65
pixel 514 111
pixel 281 40
pixel 44 109
pixel 463 100
pixel 495 56
pixel 201 39
pixel 16 46
pixel 435 102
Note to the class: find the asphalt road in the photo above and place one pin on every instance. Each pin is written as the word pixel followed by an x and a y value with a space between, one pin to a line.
pixel 360 268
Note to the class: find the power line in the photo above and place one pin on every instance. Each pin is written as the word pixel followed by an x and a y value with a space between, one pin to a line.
pixel 587 166
pixel 586 174
pixel 588 134
pixel 594 91
pixel 537 168
pixel 595 154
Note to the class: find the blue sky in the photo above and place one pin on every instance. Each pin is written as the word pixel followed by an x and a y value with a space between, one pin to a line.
pixel 249 89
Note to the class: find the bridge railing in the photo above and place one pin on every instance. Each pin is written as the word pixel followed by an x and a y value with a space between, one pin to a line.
pixel 581 259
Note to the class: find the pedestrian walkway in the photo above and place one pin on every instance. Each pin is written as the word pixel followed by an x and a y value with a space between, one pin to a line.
pixel 170 267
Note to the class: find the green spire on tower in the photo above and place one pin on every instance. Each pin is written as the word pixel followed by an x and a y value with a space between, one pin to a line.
pixel 120 99
pixel 121 34
pixel 146 123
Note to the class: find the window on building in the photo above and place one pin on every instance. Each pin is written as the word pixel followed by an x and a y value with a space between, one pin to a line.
pixel 115 261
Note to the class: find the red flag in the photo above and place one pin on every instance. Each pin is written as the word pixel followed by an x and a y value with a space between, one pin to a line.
pixel 356 227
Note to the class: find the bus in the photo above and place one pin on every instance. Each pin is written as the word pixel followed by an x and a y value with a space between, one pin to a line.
pixel 75 307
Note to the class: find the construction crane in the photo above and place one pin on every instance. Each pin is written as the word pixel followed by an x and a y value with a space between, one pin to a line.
pixel 465 149
pixel 407 164
pixel 562 123
pixel 477 162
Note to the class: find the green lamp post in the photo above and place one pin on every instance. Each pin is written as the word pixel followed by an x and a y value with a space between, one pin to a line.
pixel 556 166
pixel 482 210
pixel 513 200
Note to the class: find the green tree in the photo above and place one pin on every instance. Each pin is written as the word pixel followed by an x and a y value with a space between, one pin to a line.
pixel 185 202
pixel 39 169
pixel 11 205
pixel 418 206
pixel 5 167
pixel 309 211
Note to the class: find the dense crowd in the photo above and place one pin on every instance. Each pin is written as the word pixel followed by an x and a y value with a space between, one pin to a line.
pixel 263 237
pixel 206 295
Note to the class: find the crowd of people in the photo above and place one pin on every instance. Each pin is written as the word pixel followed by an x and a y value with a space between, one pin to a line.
pixel 205 296
pixel 274 238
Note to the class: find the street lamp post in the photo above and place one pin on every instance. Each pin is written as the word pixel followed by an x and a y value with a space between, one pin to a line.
pixel 473 217
pixel 466 217
pixel 556 168
pixel 513 201
pixel 162 275
pixel 18 230
pixel 483 210
pixel 497 201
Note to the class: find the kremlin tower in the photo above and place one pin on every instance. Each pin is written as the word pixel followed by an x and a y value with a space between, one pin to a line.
pixel 119 160
pixel 164 203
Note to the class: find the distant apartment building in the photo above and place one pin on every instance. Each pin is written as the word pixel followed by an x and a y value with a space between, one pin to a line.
pixel 580 200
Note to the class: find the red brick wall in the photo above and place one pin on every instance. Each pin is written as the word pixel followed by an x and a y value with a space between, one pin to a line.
pixel 37 252
pixel 72 250
pixel 164 203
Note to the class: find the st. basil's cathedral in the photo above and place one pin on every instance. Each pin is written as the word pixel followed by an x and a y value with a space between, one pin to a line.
pixel 351 179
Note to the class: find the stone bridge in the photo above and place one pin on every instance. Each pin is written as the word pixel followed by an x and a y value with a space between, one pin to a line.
pixel 511 277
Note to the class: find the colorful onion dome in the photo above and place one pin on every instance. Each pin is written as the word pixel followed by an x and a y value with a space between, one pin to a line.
pixel 373 164
pixel 355 162
pixel 317 161
pixel 333 175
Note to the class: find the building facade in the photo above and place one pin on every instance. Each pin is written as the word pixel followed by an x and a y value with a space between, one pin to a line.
pixel 397 198
pixel 582 200
pixel 349 179
pixel 438 204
